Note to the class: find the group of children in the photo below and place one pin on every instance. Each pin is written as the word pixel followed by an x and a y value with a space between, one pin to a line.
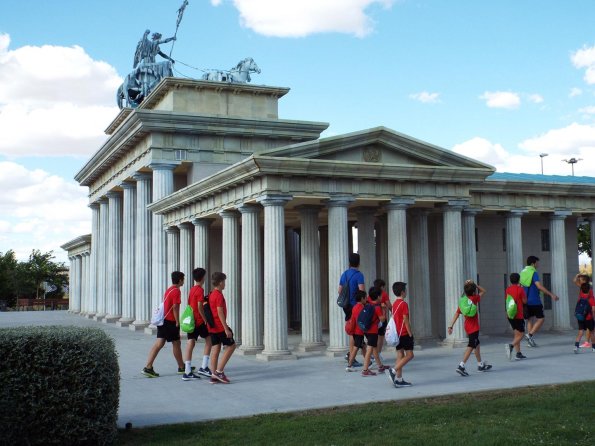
pixel 216 333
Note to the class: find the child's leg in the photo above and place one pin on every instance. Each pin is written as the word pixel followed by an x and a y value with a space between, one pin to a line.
pixel 536 326
pixel 206 352
pixel 467 353
pixel 400 354
pixel 177 351
pixel 352 351
pixel 405 358
pixel 529 325
pixel 367 358
pixel 215 356
pixel 377 356
pixel 380 344
pixel 189 348
pixel 229 349
pixel 516 342
pixel 157 346
pixel 579 336
pixel 478 354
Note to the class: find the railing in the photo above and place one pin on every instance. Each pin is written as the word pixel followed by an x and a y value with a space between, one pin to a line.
pixel 42 304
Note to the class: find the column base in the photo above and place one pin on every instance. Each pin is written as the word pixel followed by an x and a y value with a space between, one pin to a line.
pixel 138 325
pixel 249 351
pixel 454 343
pixel 124 322
pixel 274 356
pixel 337 352
pixel 151 330
pixel 89 315
pixel 305 347
pixel 111 319
pixel 99 317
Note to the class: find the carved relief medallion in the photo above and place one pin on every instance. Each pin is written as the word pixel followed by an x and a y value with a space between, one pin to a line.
pixel 372 154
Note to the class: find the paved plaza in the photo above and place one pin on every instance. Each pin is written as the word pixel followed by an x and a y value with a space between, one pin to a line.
pixel 311 381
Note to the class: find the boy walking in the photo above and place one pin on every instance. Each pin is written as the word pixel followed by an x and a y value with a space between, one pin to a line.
pixel 579 279
pixel 517 322
pixel 372 334
pixel 357 338
pixel 170 330
pixel 584 311
pixel 472 330
pixel 385 304
pixel 354 279
pixel 220 332
pixel 196 300
pixel 404 348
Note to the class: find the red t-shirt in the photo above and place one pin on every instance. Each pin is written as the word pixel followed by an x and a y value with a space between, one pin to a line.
pixel 197 294
pixel 217 300
pixel 400 310
pixel 471 323
pixel 378 311
pixel 517 292
pixel 171 297
pixel 591 300
pixel 357 309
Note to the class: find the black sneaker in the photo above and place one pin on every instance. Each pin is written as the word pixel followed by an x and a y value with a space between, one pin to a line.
pixel 190 376
pixel 182 370
pixel 508 349
pixel 484 368
pixel 402 383
pixel 149 372
pixel 205 372
pixel 461 371
pixel 356 364
pixel 392 375
pixel 519 356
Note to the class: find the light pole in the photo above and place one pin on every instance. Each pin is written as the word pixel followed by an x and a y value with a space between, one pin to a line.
pixel 572 162
pixel 542 155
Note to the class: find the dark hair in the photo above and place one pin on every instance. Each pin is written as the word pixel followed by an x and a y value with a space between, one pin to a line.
pixel 354 259
pixel 379 283
pixel 398 288
pixel 585 287
pixel 470 289
pixel 515 278
pixel 374 293
pixel 176 277
pixel 360 295
pixel 198 274
pixel 531 260
pixel 585 277
pixel 217 278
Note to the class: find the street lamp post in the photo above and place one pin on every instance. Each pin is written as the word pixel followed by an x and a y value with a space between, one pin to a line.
pixel 572 162
pixel 542 155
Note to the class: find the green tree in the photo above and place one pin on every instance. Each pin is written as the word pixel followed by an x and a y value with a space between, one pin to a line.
pixel 8 277
pixel 41 268
pixel 584 240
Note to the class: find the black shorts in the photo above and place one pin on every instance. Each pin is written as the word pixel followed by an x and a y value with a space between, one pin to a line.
pixel 534 311
pixel 517 324
pixel 201 331
pixel 372 339
pixel 473 339
pixel 358 341
pixel 221 338
pixel 382 330
pixel 586 325
pixel 168 331
pixel 405 343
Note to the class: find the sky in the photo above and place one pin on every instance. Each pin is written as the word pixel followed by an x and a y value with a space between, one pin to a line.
pixel 500 81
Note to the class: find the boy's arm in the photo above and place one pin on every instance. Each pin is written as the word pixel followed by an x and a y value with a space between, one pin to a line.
pixel 201 310
pixel 482 290
pixel 544 290
pixel 524 296
pixel 176 311
pixel 454 319
pixel 407 325
pixel 224 322
pixel 382 315
pixel 576 281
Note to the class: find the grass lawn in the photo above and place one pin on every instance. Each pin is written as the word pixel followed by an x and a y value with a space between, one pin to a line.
pixel 550 415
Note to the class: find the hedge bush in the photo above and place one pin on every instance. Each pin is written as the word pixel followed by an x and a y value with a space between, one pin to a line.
pixel 58 385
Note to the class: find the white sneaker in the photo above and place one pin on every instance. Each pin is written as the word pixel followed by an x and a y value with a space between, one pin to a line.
pixel 508 348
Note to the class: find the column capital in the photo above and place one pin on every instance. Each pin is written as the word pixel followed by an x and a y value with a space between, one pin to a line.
pixel 113 194
pixel 455 205
pixel 516 212
pixel 127 185
pixel 142 176
pixel 102 200
pixel 274 199
pixel 399 203
pixel 229 213
pixel 560 214
pixel 339 201
pixel 172 230
pixel 203 222
pixel 185 225
pixel 306 209
pixel 95 205
pixel 472 211
pixel 249 208
pixel 163 165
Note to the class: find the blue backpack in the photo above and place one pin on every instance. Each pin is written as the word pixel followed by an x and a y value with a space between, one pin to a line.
pixel 364 319
pixel 582 309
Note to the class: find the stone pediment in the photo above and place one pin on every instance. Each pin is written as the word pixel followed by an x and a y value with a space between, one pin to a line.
pixel 377 145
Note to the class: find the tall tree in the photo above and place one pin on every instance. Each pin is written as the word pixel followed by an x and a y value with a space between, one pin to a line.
pixel 8 277
pixel 584 240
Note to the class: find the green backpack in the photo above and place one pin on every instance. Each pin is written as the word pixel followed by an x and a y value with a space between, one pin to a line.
pixel 527 276
pixel 467 307
pixel 187 323
pixel 511 307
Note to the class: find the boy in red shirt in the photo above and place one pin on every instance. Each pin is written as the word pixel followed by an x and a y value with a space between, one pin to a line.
pixel 220 331
pixel 586 324
pixel 385 304
pixel 170 330
pixel 579 279
pixel 472 330
pixel 372 333
pixel 404 348
pixel 196 300
pixel 358 334
pixel 517 323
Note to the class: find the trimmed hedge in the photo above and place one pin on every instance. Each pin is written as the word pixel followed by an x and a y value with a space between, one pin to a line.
pixel 58 385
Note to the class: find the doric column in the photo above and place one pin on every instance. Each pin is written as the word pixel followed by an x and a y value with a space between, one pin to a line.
pixel 186 256
pixel 338 261
pixel 453 267
pixel 292 256
pixel 201 246
pixel 310 280
pixel 366 243
pixel 382 247
pixel 275 282
pixel 252 298
pixel 128 253
pixel 421 306
pixel 83 296
pixel 591 219
pixel 93 283
pixel 231 267
pixel 163 185
pixel 113 304
pixel 514 241
pixel 397 239
pixel 142 257
pixel 78 263
pixel 72 284
pixel 173 249
pixel 86 284
pixel 324 287
pixel 469 252
pixel 102 277
pixel 559 270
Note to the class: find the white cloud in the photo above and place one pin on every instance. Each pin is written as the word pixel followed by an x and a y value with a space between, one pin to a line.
pixel 298 19
pixel 585 58
pixel 590 110
pixel 535 98
pixel 426 97
pixel 567 140
pixel 53 100
pixel 575 92
pixel 501 99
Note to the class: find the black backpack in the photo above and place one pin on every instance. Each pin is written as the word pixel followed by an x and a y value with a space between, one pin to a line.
pixel 364 319
pixel 582 309
pixel 208 312
pixel 344 298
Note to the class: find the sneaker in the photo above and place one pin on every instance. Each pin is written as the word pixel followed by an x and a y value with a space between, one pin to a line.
pixel 182 370
pixel 586 344
pixel 372 360
pixel 392 374
pixel 519 356
pixel 356 363
pixel 368 373
pixel 150 372
pixel 508 348
pixel 350 369
pixel 461 371
pixel 220 376
pixel 402 383
pixel 205 372
pixel 575 349
pixel 484 368
pixel 346 356
pixel 382 368
pixel 532 342
pixel 190 376
pixel 214 380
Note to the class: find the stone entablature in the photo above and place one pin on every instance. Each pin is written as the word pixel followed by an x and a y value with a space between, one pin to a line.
pixel 78 246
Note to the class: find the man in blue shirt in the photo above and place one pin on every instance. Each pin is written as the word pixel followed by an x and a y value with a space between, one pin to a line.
pixel 355 280
pixel 534 304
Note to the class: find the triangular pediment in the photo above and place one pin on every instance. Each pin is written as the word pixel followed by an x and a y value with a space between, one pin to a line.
pixel 377 145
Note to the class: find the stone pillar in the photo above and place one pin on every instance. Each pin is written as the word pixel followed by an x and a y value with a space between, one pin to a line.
pixel 142 253
pixel 173 249
pixel 186 256
pixel 231 267
pixel 559 270
pixel 592 228
pixel 163 185
pixel 310 280
pixel 102 280
pixel 469 252
pixel 275 282
pixel 397 239
pixel 366 243
pixel 294 293
pixel 87 267
pixel 201 246
pixel 421 310
pixel 71 277
pixel 323 235
pixel 252 298
pixel 94 260
pixel 382 248
pixel 453 269
pixel 78 263
pixel 338 261
pixel 83 295
pixel 114 259
pixel 514 241
pixel 128 252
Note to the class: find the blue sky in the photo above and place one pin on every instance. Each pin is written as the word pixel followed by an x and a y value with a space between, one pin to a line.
pixel 500 81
